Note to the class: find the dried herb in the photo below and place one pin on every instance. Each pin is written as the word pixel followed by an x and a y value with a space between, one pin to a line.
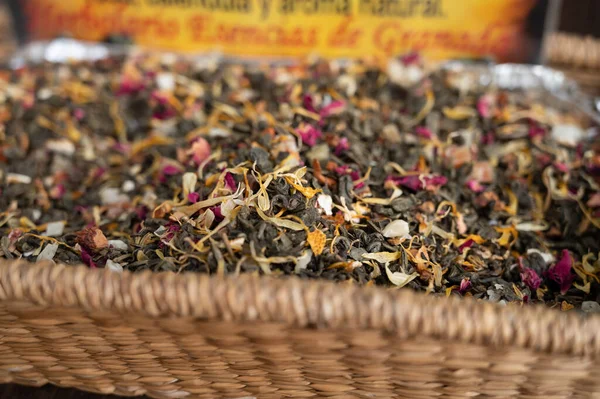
pixel 346 173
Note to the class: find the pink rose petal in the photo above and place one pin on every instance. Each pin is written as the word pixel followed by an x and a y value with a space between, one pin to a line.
pixel 171 170
pixel 594 201
pixel 467 244
pixel 307 102
pixel 488 138
pixel 334 108
pixel 417 184
pixel 561 272
pixel 86 257
pixel 309 134
pixel 474 186
pixel 536 130
pixel 78 113
pixel 200 150
pixel 484 106
pixel 423 132
pixel 531 278
pixel 230 182
pixel 129 86
pixel 342 146
pixel 465 285
pixel 193 197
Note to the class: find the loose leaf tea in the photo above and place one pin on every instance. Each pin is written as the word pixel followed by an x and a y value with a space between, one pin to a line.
pixel 346 173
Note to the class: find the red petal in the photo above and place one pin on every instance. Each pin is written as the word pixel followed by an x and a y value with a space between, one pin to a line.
pixel 531 278
pixel 561 272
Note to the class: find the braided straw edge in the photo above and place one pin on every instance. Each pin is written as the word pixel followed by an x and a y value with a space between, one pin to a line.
pixel 573 50
pixel 299 303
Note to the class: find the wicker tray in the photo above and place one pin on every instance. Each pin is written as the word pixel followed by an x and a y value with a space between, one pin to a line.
pixel 171 336
pixel 195 336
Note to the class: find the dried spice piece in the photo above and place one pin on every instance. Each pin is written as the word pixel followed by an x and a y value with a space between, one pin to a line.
pixel 316 239
pixel 399 177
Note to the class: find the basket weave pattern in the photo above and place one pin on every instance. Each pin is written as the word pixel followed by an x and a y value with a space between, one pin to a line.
pixel 578 57
pixel 171 336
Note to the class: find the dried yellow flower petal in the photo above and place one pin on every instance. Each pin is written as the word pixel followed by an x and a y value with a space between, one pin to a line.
pixel 459 112
pixel 316 239
pixel 565 306
pixel 308 192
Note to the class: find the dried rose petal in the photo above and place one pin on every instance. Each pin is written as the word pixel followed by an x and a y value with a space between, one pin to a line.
pixel 536 130
pixel 129 86
pixel 594 201
pixel 467 244
pixel 342 170
pixel 484 105
pixel 465 285
pixel 171 170
pixel 230 182
pixel 87 258
pixel 173 227
pixel 424 132
pixel 488 138
pixel 334 108
pixel 200 151
pixel 79 113
pixel 458 155
pixel 417 184
pixel 57 192
pixel 141 212
pixel 216 210
pixel 121 147
pixel 474 186
pixel 98 173
pixel 92 239
pixel 482 172
pixel 14 235
pixel 579 151
pixel 163 113
pixel 307 102
pixel 309 134
pixel 543 159
pixel 561 167
pixel 561 272
pixel 342 146
pixel 531 278
pixel 193 197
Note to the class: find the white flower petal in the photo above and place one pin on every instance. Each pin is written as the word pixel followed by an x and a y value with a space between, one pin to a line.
pixel 397 228
pixel 54 229
pixel 118 244
pixel 48 252
pixel 114 266
pixel 303 261
pixel 325 202
pixel 398 278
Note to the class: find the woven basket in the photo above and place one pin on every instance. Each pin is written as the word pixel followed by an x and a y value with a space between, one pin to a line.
pixel 578 57
pixel 174 336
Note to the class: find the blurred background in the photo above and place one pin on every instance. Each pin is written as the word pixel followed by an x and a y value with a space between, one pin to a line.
pixel 562 34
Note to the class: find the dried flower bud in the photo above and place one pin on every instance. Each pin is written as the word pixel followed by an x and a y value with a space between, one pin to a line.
pixel 92 239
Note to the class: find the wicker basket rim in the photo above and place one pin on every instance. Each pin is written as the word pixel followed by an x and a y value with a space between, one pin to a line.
pixel 300 303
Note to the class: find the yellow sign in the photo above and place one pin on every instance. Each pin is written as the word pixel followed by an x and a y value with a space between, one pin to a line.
pixel 330 28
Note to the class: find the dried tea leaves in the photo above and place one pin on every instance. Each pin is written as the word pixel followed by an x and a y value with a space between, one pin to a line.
pixel 401 178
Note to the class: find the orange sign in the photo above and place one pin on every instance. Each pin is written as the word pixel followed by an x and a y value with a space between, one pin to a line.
pixel 330 28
